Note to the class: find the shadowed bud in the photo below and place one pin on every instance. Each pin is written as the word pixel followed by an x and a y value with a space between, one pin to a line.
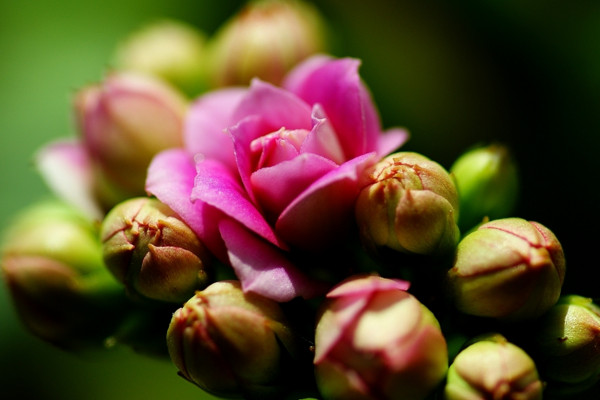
pixel 487 182
pixel 265 40
pixel 170 50
pixel 411 206
pixel 52 265
pixel 493 368
pixel 374 340
pixel 155 254
pixel 124 122
pixel 233 344
pixel 509 269
pixel 566 345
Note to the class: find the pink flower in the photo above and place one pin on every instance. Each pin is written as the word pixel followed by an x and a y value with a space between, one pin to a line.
pixel 276 168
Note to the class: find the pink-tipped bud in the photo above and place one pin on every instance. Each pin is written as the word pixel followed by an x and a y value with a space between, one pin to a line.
pixel 374 340
pixel 124 122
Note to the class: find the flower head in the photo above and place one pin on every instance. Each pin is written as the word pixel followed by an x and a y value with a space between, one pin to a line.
pixel 275 169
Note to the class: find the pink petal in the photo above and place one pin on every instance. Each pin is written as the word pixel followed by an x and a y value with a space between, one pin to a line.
pixel 366 285
pixel 243 134
pixel 171 179
pixel 279 108
pixel 275 187
pixel 336 86
pixel 263 268
pixel 391 140
pixel 322 213
pixel 215 184
pixel 335 325
pixel 207 121
pixel 66 169
pixel 322 139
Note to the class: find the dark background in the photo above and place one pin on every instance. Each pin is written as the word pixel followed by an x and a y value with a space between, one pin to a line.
pixel 456 74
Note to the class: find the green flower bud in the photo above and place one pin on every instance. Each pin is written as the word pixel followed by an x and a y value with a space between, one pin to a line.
pixel 265 40
pixel 566 345
pixel 411 206
pixel 493 368
pixel 374 340
pixel 487 182
pixel 233 344
pixel 170 50
pixel 150 250
pixel 124 122
pixel 53 268
pixel 509 269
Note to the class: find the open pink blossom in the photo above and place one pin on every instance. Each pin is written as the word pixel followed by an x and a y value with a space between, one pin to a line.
pixel 268 169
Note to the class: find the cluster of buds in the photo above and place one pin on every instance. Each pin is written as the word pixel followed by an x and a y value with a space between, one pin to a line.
pixel 246 248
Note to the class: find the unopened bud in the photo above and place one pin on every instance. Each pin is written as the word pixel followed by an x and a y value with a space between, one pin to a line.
pixel 124 122
pixel 566 345
pixel 487 182
pixel 493 368
pixel 233 344
pixel 411 206
pixel 154 253
pixel 52 264
pixel 509 269
pixel 168 49
pixel 374 340
pixel 265 40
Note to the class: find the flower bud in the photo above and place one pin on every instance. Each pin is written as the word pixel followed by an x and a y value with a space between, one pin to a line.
pixel 566 345
pixel 374 340
pixel 53 268
pixel 487 182
pixel 168 49
pixel 493 368
pixel 124 122
pixel 150 250
pixel 411 206
pixel 509 269
pixel 265 40
pixel 232 343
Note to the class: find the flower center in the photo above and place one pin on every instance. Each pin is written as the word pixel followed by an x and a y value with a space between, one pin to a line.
pixel 277 147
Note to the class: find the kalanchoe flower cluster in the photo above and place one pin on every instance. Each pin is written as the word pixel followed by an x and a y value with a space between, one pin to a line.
pixel 276 224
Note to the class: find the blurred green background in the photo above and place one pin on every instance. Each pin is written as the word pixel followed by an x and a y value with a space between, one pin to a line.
pixel 456 74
